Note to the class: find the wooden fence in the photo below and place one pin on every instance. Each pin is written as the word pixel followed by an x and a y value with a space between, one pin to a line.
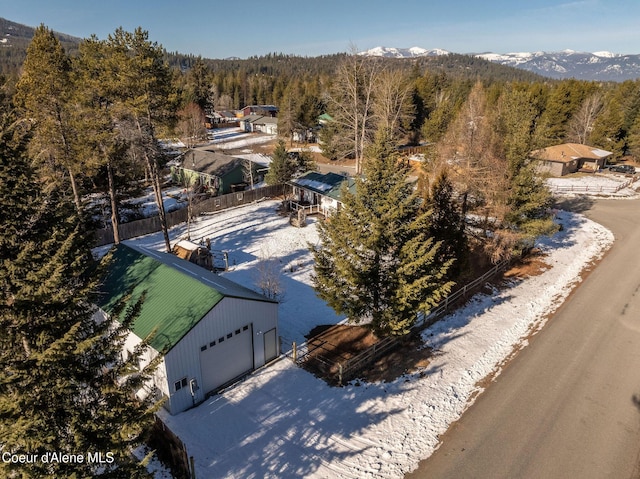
pixel 170 450
pixel 145 226
pixel 340 371
pixel 591 188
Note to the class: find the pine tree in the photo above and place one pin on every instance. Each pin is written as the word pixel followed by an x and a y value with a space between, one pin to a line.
pixel 63 387
pixel 44 92
pixel 529 202
pixel 281 168
pixel 376 262
pixel 446 225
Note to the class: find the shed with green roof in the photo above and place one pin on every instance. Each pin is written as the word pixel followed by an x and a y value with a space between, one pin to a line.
pixel 209 330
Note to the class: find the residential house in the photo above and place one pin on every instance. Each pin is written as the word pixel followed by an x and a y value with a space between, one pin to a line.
pixel 317 192
pixel 209 330
pixel 560 160
pixel 259 124
pixel 218 172
pixel 260 110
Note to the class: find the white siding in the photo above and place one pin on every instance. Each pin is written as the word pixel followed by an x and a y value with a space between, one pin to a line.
pixel 183 361
pixel 228 316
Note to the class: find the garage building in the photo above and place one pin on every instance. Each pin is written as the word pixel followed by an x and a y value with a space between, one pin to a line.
pixel 210 330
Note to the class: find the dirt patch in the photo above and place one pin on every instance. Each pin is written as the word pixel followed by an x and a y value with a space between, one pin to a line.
pixel 532 265
pixel 332 344
pixel 409 358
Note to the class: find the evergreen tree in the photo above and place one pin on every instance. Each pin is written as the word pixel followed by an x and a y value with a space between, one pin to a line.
pixel 529 202
pixel 44 93
pixel 63 387
pixel 376 262
pixel 446 225
pixel 281 168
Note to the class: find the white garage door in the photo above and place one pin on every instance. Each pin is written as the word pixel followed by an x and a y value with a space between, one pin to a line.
pixel 226 358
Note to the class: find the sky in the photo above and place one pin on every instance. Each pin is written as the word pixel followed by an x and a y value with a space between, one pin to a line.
pixel 223 28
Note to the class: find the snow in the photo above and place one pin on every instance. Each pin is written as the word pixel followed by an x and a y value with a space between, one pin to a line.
pixel 608 184
pixel 282 421
pixel 251 235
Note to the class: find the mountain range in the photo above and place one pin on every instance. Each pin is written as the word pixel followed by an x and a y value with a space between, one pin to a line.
pixel 597 66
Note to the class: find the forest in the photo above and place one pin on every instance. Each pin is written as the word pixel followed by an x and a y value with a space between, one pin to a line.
pixel 87 117
pixel 94 115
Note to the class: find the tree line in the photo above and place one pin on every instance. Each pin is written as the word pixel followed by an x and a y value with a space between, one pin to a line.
pixel 91 120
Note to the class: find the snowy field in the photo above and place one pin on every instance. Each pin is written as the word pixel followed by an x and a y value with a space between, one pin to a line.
pixel 253 235
pixel 282 422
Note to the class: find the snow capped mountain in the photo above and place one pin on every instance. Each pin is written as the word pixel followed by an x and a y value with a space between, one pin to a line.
pixel 599 66
pixel 403 52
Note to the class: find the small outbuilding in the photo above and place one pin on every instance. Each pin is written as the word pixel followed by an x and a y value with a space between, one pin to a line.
pixel 560 160
pixel 209 330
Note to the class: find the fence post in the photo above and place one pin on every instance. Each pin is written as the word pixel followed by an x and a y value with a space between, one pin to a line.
pixel 340 374
pixel 193 467
pixel 295 352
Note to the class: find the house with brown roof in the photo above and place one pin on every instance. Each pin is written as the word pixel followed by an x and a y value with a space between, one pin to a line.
pixel 560 160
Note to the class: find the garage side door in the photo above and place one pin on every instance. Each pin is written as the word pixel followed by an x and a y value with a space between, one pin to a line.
pixel 226 358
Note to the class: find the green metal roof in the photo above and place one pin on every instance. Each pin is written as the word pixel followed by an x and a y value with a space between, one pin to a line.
pixel 178 293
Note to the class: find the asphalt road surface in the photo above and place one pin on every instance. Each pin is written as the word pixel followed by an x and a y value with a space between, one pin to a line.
pixel 568 405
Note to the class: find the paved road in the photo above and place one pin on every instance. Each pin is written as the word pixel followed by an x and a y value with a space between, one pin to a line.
pixel 565 406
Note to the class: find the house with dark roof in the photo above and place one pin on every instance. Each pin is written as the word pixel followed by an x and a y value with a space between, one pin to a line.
pixel 317 192
pixel 261 110
pixel 218 172
pixel 208 330
pixel 560 160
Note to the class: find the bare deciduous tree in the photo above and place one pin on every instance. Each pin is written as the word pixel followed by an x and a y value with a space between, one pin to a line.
pixel 582 122
pixel 191 126
pixel 351 103
pixel 268 277
pixel 392 107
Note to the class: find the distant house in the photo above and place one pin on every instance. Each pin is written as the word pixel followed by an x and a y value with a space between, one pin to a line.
pixel 259 123
pixel 319 192
pixel 208 330
pixel 216 171
pixel 220 118
pixel 260 110
pixel 560 160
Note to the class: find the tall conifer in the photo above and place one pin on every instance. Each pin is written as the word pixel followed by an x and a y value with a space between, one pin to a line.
pixel 63 387
pixel 376 262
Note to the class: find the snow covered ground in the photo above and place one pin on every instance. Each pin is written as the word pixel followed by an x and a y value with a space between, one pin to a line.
pixel 255 234
pixel 283 422
pixel 605 184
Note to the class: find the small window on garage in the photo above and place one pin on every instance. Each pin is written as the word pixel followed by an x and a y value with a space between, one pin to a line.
pixel 238 331
pixel 221 339
pixel 244 328
pixel 212 344
pixel 203 348
pixel 180 384
pixel 229 336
